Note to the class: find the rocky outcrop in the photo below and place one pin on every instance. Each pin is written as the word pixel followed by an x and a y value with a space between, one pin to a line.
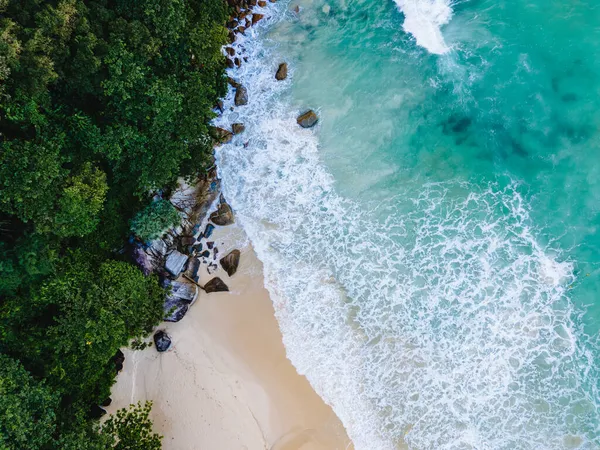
pixel 241 96
pixel 181 296
pixel 230 262
pixel 282 72
pixel 223 215
pixel 238 128
pixel 162 341
pixel 118 360
pixel 307 119
pixel 215 285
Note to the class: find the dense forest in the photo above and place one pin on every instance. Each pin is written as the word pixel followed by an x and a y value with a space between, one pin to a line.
pixel 103 104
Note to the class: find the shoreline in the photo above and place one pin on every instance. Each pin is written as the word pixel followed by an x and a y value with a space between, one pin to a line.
pixel 226 381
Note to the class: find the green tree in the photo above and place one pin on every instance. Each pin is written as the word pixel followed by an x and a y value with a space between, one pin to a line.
pixel 154 220
pixel 131 429
pixel 81 202
pixel 27 408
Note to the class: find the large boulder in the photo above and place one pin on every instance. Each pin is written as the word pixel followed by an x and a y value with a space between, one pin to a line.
pixel 215 285
pixel 281 73
pixel 118 360
pixel 230 262
pixel 221 135
pixel 241 96
pixel 162 341
pixel 223 215
pixel 176 310
pixel 176 262
pixel 307 119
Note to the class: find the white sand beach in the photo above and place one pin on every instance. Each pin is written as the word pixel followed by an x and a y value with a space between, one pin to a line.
pixel 225 383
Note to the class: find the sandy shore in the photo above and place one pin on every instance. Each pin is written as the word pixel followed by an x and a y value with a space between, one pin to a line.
pixel 226 383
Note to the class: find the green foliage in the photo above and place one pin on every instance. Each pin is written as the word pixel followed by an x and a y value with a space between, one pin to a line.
pixel 131 429
pixel 81 202
pixel 27 417
pixel 101 103
pixel 154 220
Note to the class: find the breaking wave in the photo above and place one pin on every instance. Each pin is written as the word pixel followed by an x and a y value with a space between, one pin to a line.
pixel 436 319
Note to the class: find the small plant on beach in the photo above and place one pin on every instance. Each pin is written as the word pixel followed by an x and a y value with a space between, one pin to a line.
pixel 131 428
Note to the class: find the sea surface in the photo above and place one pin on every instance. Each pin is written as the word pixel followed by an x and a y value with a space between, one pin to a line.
pixel 432 245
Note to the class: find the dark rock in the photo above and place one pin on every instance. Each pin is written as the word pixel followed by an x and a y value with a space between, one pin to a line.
pixel 241 96
pixel 241 30
pixel 208 230
pixel 106 402
pixel 229 63
pixel 308 119
pixel 185 243
pixel 230 262
pixel 237 62
pixel 118 359
pixel 272 1
pixel 210 245
pixel 162 341
pixel 231 25
pixel 231 37
pixel 194 267
pixel 96 412
pixel 262 3
pixel 243 15
pixel 223 215
pixel 234 84
pixel 297 9
pixel 247 24
pixel 281 72
pixel 230 50
pixel 220 105
pixel 198 248
pixel 256 18
pixel 238 128
pixel 215 285
pixel 221 135
pixel 205 254
pixel 252 2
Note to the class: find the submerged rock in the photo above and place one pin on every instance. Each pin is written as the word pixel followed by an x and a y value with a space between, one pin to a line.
pixel 175 263
pixel 241 96
pixel 230 262
pixel 307 119
pixel 281 72
pixel 162 341
pixel 223 215
pixel 215 285
pixel 238 128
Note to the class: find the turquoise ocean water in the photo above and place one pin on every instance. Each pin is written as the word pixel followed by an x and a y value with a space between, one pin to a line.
pixel 431 246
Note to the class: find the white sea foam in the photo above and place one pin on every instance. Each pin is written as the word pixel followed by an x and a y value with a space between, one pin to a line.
pixel 424 19
pixel 435 320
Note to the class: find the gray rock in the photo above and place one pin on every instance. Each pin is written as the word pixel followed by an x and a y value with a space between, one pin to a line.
pixel 194 267
pixel 230 262
pixel 162 341
pixel 282 72
pixel 215 285
pixel 307 119
pixel 241 96
pixel 223 215
pixel 176 263
pixel 174 312
pixel 238 128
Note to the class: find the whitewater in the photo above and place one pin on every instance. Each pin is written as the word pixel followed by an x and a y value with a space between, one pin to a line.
pixel 418 291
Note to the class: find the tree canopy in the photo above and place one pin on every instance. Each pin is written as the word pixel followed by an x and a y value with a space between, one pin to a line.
pixel 103 104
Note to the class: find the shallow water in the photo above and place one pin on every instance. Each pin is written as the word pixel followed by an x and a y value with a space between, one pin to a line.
pixel 431 245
